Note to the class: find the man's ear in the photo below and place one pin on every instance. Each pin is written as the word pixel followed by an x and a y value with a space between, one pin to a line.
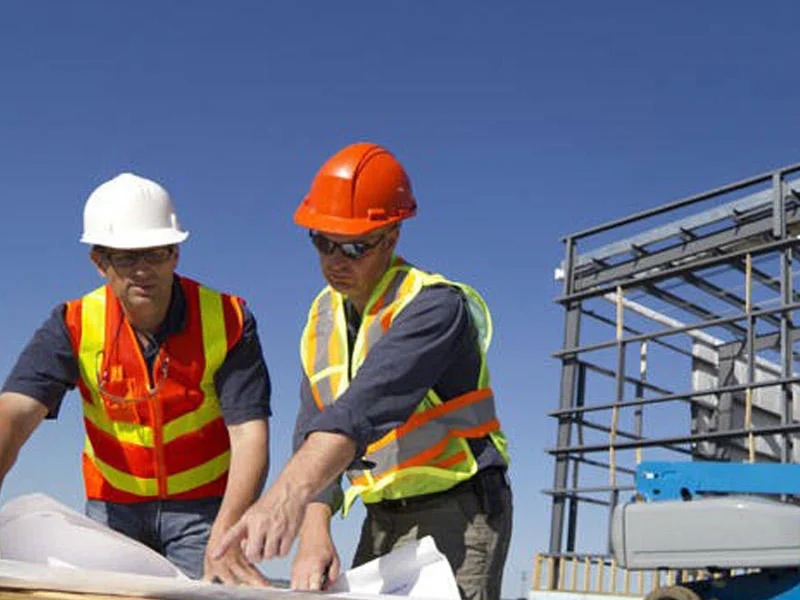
pixel 99 261
pixel 390 241
pixel 175 258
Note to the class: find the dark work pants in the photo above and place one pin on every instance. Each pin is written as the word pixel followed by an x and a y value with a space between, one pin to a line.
pixel 471 529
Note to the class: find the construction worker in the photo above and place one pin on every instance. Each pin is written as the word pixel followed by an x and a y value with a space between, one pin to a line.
pixel 395 392
pixel 174 386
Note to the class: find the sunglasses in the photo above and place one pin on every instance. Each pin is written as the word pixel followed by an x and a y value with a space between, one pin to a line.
pixel 126 260
pixel 354 250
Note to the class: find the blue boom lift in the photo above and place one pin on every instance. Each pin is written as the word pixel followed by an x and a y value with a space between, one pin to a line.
pixel 715 516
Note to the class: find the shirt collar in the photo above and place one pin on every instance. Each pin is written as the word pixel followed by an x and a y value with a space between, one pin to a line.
pixel 174 323
pixel 175 320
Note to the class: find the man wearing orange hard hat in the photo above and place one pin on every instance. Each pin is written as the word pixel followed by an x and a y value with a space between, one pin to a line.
pixel 395 394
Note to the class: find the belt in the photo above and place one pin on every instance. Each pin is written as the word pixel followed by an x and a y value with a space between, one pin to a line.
pixel 482 484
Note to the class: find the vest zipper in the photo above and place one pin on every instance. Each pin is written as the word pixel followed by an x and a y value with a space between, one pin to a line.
pixel 156 413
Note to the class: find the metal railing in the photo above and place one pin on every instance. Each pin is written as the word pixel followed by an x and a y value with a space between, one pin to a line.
pixel 611 387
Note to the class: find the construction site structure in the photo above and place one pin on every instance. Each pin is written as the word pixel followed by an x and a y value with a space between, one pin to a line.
pixel 678 346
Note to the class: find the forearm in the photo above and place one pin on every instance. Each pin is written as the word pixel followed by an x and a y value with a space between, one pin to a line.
pixel 316 522
pixel 247 473
pixel 19 416
pixel 319 460
pixel 268 528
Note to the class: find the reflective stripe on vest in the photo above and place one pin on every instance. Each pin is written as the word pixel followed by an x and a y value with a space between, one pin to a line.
pixel 173 444
pixel 432 442
pixel 323 349
pixel 424 435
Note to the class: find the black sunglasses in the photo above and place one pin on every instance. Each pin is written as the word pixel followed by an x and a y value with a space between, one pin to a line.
pixel 127 259
pixel 354 250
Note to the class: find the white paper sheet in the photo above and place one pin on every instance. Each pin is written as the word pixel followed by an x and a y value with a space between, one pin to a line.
pixel 15 575
pixel 416 570
pixel 37 529
pixel 45 545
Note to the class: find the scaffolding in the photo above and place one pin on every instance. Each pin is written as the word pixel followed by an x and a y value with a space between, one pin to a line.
pixel 678 345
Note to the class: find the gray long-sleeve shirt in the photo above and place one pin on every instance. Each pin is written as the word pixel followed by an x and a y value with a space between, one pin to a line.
pixel 431 344
pixel 47 368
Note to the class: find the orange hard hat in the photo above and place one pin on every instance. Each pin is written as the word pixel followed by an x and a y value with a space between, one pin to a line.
pixel 359 189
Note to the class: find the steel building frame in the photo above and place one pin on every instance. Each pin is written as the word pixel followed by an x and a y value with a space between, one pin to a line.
pixel 681 258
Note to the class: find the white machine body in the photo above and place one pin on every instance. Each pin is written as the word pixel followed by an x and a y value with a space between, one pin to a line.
pixel 710 532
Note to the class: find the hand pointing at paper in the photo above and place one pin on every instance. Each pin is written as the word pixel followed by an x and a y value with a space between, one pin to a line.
pixel 268 528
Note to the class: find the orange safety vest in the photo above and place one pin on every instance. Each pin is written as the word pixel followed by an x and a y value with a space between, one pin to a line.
pixel 164 439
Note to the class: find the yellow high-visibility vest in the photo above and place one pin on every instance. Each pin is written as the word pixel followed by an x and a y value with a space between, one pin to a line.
pixel 429 452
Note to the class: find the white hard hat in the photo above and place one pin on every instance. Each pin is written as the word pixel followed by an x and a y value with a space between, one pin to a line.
pixel 130 212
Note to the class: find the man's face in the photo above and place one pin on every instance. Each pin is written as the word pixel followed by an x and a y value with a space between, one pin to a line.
pixel 355 277
pixel 138 278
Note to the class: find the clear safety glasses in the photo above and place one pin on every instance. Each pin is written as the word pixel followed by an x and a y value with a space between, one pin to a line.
pixel 125 259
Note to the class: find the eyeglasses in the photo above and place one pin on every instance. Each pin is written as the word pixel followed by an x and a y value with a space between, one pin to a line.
pixel 128 259
pixel 103 381
pixel 354 250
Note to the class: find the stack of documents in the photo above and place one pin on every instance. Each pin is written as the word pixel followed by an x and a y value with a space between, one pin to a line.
pixel 46 546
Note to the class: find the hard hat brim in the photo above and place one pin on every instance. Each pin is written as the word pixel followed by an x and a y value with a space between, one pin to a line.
pixel 310 219
pixel 136 239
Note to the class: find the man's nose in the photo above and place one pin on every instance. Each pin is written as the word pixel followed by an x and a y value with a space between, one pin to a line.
pixel 141 265
pixel 335 257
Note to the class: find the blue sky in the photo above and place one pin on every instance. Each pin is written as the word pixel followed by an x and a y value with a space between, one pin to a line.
pixel 517 121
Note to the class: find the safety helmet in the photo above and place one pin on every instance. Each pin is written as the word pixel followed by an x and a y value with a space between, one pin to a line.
pixel 130 212
pixel 359 189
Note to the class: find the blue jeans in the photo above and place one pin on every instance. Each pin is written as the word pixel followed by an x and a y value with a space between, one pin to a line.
pixel 176 529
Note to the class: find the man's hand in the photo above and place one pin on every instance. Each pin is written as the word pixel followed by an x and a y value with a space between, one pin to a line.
pixel 316 565
pixel 268 528
pixel 246 476
pixel 232 567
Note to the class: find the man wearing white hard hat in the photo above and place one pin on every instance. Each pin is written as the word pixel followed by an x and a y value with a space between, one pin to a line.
pixel 175 390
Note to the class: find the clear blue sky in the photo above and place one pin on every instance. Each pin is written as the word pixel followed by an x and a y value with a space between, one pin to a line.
pixel 518 122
